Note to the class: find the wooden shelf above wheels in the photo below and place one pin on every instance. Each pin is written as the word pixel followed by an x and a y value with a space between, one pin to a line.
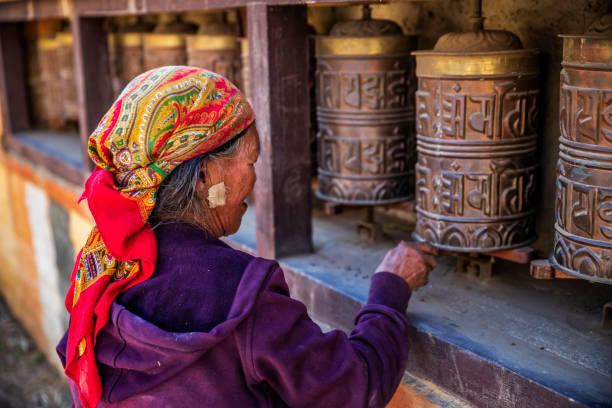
pixel 24 10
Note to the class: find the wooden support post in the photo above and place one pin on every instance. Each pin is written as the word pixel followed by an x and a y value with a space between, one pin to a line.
pixel 15 116
pixel 93 78
pixel 279 88
pixel 542 269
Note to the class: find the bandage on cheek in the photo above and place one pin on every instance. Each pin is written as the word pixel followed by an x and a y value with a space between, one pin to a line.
pixel 216 195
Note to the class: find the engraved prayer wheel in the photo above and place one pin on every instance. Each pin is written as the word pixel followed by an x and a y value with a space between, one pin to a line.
pixel 583 205
pixel 365 113
pixel 163 49
pixel 217 53
pixel 67 84
pixel 126 50
pixel 245 71
pixel 216 47
pixel 35 84
pixel 130 56
pixel 476 109
pixel 166 45
pixel 52 105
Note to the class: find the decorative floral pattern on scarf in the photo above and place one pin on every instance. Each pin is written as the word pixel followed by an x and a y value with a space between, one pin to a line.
pixel 163 117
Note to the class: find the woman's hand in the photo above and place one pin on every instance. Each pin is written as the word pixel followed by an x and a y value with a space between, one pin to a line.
pixel 410 261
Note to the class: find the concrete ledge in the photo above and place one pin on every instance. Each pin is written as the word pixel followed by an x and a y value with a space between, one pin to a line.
pixel 510 341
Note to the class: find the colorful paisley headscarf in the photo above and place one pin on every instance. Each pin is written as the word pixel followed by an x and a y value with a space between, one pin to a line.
pixel 164 117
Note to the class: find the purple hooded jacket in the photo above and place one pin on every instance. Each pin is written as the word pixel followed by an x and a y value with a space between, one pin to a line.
pixel 215 327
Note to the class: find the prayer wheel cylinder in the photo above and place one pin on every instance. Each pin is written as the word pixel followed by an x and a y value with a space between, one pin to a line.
pixel 67 84
pixel 51 96
pixel 583 205
pixel 163 49
pixel 126 50
pixel 476 112
pixel 217 53
pixel 216 47
pixel 130 57
pixel 35 84
pixel 365 113
pixel 166 45
pixel 245 70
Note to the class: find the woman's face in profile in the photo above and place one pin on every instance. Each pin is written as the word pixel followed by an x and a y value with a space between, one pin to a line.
pixel 238 175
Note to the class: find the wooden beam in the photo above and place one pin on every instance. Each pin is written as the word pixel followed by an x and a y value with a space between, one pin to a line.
pixel 92 71
pixel 46 9
pixel 543 269
pixel 521 255
pixel 13 79
pixel 23 10
pixel 279 88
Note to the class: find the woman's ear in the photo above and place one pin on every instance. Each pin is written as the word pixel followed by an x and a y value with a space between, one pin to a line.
pixel 201 184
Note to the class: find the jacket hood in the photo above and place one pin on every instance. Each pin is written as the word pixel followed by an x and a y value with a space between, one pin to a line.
pixel 153 355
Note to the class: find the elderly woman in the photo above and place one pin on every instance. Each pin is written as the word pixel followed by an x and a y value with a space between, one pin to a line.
pixel 164 314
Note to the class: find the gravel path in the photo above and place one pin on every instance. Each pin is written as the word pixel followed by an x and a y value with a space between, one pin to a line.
pixel 26 378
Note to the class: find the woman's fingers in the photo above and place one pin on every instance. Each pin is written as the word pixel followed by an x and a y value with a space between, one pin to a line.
pixel 421 246
pixel 427 248
pixel 430 260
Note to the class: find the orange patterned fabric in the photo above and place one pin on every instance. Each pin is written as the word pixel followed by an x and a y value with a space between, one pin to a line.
pixel 164 117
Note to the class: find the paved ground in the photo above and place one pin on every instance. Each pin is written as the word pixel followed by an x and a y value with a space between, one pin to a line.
pixel 26 378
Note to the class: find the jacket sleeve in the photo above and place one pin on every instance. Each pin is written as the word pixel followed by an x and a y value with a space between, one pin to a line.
pixel 288 352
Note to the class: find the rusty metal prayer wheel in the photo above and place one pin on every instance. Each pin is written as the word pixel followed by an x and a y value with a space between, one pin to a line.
pixel 245 71
pixel 166 45
pixel 67 84
pixel 126 50
pixel 130 57
pixel 583 206
pixel 216 47
pixel 52 106
pixel 476 109
pixel 34 32
pixel 365 112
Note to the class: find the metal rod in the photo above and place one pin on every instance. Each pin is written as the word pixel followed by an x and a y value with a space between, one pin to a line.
pixel 477 19
pixel 366 12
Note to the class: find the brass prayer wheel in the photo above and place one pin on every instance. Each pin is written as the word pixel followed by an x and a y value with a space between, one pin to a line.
pixel 35 84
pixel 130 57
pixel 216 47
pixel 583 204
pixel 126 50
pixel 245 71
pixel 52 106
pixel 476 110
pixel 365 112
pixel 163 49
pixel 166 45
pixel 67 84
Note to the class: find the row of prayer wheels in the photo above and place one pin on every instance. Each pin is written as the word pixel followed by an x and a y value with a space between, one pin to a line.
pixel 456 131
pixel 137 48
pixel 51 81
pixel 462 142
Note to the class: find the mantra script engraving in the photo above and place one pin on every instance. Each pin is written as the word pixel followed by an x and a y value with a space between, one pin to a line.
pixel 506 190
pixel 475 172
pixel 365 129
pixel 361 91
pixel 505 113
pixel 585 115
pixel 584 210
pixel 583 201
pixel 362 156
